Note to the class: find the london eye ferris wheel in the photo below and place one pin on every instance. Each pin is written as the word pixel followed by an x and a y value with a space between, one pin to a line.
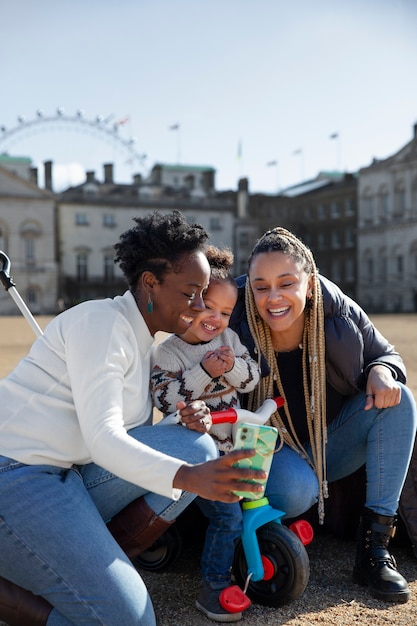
pixel 76 143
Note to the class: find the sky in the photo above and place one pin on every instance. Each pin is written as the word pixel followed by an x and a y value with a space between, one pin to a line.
pixel 272 90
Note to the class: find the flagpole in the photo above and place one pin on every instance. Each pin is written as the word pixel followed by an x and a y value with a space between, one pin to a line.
pixel 275 164
pixel 239 159
pixel 300 153
pixel 177 128
pixel 338 150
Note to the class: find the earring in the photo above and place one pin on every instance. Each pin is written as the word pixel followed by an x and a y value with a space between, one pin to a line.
pixel 150 304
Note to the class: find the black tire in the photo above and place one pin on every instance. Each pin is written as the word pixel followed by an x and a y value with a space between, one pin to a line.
pixel 162 553
pixel 290 562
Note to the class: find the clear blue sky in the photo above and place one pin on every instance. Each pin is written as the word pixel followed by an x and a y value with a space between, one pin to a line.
pixel 275 76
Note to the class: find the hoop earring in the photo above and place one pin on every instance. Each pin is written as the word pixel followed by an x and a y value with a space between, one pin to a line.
pixel 149 306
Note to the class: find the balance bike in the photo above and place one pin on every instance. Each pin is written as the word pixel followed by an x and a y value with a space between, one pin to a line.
pixel 271 565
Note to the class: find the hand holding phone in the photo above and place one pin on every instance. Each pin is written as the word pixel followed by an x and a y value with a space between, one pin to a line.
pixel 262 439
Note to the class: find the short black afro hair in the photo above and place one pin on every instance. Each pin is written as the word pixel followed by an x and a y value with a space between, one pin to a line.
pixel 156 244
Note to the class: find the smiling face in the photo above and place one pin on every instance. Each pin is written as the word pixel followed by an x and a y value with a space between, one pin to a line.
pixel 280 287
pixel 219 299
pixel 178 299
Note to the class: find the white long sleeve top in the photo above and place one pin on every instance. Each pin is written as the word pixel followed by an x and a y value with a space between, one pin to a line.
pixel 84 383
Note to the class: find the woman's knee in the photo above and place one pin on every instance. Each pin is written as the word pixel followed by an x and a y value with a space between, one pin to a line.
pixel 292 484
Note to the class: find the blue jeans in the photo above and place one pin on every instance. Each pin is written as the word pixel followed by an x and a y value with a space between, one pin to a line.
pixel 382 439
pixel 53 539
pixel 224 527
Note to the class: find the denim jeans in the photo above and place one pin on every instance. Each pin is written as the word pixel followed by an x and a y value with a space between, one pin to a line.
pixel 383 439
pixel 224 527
pixel 53 539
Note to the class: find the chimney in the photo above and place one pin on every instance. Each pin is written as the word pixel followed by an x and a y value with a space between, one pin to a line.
pixel 415 131
pixel 90 176
pixel 243 198
pixel 34 175
pixel 137 179
pixel 48 174
pixel 108 173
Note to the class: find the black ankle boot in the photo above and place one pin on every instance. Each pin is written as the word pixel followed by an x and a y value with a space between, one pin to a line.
pixel 374 565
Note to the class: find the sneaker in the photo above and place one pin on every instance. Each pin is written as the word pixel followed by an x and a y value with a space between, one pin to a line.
pixel 208 603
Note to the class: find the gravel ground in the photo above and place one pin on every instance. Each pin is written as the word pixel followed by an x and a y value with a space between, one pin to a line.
pixel 330 599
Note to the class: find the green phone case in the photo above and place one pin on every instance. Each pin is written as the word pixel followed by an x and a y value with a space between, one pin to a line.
pixel 262 439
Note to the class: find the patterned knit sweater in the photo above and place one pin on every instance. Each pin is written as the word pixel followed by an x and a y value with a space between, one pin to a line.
pixel 178 376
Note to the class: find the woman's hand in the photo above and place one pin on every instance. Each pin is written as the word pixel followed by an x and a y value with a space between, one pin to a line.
pixel 382 390
pixel 218 479
pixel 195 415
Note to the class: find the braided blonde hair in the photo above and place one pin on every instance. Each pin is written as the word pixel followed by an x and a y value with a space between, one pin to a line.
pixel 314 366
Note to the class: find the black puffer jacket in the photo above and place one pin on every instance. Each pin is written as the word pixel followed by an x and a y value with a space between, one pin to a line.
pixel 353 344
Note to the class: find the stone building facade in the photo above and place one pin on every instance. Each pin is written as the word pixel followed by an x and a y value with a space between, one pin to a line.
pixel 387 246
pixel 27 237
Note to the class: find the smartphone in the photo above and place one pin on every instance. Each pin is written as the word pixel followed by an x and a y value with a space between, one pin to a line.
pixel 262 439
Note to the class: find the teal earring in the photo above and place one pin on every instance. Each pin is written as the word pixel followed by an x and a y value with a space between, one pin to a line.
pixel 150 304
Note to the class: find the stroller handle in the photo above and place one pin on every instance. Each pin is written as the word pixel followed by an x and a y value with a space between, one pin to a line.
pixel 5 277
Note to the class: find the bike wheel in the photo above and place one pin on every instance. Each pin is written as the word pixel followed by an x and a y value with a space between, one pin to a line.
pixel 286 560
pixel 162 553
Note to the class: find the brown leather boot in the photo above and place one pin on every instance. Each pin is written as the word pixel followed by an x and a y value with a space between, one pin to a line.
pixel 20 607
pixel 137 527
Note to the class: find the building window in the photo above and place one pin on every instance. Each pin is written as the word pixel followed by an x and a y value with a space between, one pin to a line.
pixel 384 268
pixel 335 210
pixel 349 207
pixel 109 220
pixel 215 223
pixel 350 270
pixel 336 270
pixel 29 250
pixel 399 200
pixel 243 239
pixel 321 212
pixel 82 266
pixel 368 207
pixel 321 241
pixel 336 239
pixel 368 266
pixel 32 297
pixel 399 265
pixel 349 238
pixel 108 268
pixel 81 219
pixel 384 204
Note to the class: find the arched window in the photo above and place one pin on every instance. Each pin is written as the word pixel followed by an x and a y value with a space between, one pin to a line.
pixel 383 204
pixel 30 231
pixel 399 199
pixel 368 205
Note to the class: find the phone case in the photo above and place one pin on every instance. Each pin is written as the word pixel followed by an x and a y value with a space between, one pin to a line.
pixel 262 439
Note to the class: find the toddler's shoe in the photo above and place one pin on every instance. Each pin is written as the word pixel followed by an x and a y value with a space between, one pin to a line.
pixel 208 603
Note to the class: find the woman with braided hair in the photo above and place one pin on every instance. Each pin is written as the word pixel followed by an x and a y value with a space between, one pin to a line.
pixel 346 403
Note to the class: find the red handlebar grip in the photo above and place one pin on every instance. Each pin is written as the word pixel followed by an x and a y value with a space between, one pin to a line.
pixel 279 401
pixel 220 417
